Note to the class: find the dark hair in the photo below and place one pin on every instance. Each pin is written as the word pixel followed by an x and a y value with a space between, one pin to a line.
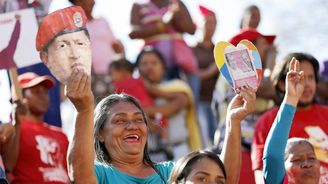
pixel 147 50
pixel 184 165
pixel 72 1
pixel 122 64
pixel 246 11
pixel 45 48
pixel 280 70
pixel 100 117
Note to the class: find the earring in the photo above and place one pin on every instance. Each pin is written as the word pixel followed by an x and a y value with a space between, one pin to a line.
pixel 101 139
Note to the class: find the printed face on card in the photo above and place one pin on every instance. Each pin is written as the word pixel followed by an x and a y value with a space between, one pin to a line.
pixel 239 65
pixel 69 51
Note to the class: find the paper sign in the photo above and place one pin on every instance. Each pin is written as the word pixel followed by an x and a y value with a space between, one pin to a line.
pixel 17 34
pixel 239 65
pixel 5 96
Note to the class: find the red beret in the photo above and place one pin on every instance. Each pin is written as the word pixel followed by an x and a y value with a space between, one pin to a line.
pixel 251 35
pixel 68 19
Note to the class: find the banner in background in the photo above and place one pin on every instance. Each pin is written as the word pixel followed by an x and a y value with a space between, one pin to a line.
pixel 17 34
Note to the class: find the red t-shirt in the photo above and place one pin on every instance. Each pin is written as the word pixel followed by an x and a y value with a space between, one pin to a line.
pixel 311 123
pixel 135 88
pixel 42 155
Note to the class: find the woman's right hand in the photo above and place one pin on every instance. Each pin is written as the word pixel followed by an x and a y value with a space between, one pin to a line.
pixel 78 90
pixel 242 104
pixel 294 83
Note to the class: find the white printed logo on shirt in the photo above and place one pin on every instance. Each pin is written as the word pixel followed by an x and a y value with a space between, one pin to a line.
pixel 50 153
pixel 319 140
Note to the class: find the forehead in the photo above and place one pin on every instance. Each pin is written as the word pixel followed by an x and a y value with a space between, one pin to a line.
pixel 38 86
pixel 78 35
pixel 35 90
pixel 149 57
pixel 207 165
pixel 123 108
pixel 300 148
pixel 307 67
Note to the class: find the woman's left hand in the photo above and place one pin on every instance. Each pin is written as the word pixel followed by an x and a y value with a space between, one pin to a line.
pixel 242 104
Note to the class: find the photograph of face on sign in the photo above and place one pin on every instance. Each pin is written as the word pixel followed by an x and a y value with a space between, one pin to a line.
pixel 64 43
pixel 241 68
pixel 17 34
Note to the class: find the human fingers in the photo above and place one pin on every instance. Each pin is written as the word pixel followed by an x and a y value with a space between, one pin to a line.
pixel 237 99
pixel 249 98
pixel 292 64
pixel 87 83
pixel 71 83
pixel 301 74
pixel 248 93
pixel 296 65
pixel 83 82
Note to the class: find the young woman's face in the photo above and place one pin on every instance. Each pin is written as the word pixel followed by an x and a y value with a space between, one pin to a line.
pixel 252 18
pixel 151 68
pixel 302 165
pixel 206 171
pixel 310 84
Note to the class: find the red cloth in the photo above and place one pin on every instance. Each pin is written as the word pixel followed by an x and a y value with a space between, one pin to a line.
pixel 285 180
pixel 246 174
pixel 317 115
pixel 42 155
pixel 135 88
pixel 251 35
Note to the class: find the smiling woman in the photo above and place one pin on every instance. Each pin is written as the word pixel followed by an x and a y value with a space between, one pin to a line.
pixel 121 136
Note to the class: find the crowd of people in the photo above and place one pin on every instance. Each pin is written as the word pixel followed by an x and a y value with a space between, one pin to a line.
pixel 167 117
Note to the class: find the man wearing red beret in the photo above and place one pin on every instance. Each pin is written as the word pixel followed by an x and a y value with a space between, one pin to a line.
pixel 63 42
pixel 38 150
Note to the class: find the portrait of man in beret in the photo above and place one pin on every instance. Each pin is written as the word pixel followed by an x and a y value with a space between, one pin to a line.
pixel 63 42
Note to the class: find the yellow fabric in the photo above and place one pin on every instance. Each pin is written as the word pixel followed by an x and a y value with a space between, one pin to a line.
pixel 194 139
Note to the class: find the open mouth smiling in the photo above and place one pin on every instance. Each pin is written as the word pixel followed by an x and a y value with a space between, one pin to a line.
pixel 132 138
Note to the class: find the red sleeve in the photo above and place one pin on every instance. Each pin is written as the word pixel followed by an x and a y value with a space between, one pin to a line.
pixel 262 129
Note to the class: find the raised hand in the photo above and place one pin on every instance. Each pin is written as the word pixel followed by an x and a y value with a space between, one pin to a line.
pixel 78 90
pixel 242 104
pixel 294 83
